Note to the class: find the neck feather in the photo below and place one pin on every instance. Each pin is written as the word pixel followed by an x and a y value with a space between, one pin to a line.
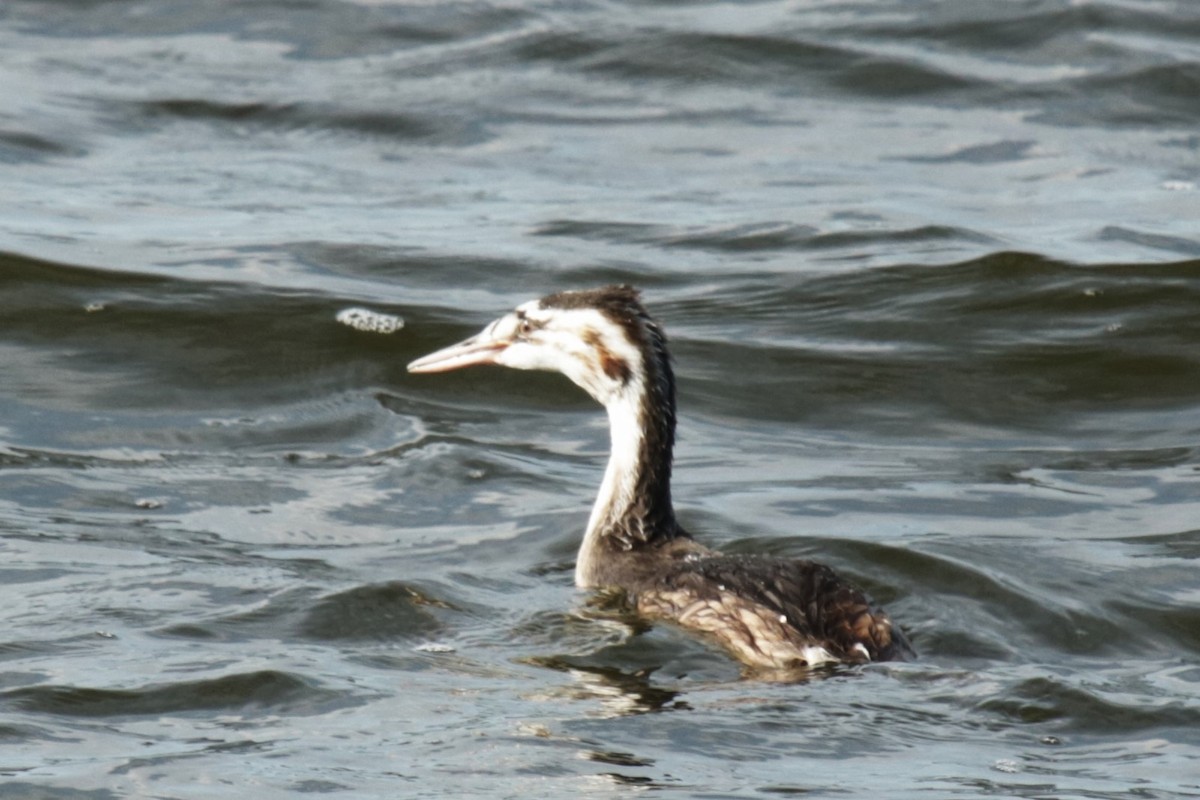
pixel 633 508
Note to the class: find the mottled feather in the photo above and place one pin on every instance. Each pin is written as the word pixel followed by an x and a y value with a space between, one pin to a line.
pixel 778 610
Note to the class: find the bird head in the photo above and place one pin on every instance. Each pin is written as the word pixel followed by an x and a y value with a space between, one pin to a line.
pixel 599 338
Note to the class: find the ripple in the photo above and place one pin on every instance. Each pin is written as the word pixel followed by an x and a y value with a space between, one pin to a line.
pixel 748 238
pixel 992 153
pixel 1172 244
pixel 1046 698
pixel 1154 95
pixel 427 128
pixel 260 690
pixel 388 611
pixel 21 147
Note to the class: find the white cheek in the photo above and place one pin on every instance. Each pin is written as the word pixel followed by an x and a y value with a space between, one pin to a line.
pixel 567 343
pixel 521 355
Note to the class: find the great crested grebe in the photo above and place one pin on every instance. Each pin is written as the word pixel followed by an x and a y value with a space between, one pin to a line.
pixel 768 612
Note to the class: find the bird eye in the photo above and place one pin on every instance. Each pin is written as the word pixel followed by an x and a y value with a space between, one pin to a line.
pixel 526 327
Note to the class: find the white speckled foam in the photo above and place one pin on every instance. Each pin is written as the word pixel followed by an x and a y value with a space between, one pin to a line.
pixel 363 319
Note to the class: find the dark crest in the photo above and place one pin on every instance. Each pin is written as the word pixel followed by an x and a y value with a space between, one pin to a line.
pixel 620 303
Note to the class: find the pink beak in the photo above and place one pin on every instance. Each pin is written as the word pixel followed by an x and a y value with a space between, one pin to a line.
pixel 479 349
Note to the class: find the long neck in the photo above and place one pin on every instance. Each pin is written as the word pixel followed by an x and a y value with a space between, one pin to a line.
pixel 633 508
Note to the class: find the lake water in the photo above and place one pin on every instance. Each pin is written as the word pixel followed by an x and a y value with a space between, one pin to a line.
pixel 931 273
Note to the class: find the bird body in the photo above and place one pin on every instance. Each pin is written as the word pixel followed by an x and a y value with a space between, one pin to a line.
pixel 768 612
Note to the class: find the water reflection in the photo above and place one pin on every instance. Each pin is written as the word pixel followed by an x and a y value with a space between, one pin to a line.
pixel 618 692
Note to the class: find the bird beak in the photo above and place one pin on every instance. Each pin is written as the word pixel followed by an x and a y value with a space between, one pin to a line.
pixel 483 348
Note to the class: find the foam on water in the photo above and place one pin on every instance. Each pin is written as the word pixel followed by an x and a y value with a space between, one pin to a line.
pixel 364 319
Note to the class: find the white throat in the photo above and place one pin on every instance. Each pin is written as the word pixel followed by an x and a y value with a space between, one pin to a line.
pixel 619 487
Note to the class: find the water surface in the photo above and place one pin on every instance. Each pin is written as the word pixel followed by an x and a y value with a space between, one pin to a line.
pixel 931 274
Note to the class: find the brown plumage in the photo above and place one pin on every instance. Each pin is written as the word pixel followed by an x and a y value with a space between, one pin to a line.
pixel 773 612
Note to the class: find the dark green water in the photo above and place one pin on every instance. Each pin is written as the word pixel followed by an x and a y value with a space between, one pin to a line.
pixel 931 277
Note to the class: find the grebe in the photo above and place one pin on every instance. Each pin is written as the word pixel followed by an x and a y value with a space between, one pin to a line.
pixel 769 612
